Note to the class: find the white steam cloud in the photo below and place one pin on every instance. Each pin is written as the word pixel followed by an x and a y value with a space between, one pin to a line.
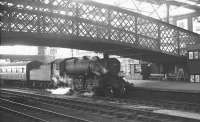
pixel 61 90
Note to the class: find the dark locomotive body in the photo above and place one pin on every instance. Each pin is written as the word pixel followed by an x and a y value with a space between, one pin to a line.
pixel 81 74
pixel 99 75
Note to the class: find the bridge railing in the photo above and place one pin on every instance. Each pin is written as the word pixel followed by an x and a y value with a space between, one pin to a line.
pixel 96 21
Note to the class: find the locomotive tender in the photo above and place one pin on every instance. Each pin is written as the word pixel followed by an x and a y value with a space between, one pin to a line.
pixel 87 74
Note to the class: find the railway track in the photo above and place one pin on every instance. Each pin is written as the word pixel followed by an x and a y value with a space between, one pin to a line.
pixel 174 105
pixel 35 113
pixel 178 100
pixel 168 95
pixel 164 104
pixel 103 109
pixel 156 102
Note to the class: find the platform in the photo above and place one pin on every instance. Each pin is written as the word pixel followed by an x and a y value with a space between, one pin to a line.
pixel 179 86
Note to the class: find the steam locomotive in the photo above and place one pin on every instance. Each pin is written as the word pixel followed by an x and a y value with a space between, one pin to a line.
pixel 80 74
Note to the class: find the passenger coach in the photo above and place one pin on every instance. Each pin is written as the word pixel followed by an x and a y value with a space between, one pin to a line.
pixel 18 73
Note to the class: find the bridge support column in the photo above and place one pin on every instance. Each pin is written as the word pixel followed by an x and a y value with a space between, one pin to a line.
pixel 46 54
pixel 41 51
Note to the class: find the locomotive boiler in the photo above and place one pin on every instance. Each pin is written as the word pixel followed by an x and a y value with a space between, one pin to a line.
pixel 84 66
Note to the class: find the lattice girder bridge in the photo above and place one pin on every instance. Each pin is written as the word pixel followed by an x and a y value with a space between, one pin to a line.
pixel 91 26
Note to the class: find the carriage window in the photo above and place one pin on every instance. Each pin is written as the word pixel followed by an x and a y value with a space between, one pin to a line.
pixel 192 78
pixel 190 55
pixel 3 69
pixel 14 69
pixel 9 70
pixel 196 55
pixel 197 78
pixel 18 70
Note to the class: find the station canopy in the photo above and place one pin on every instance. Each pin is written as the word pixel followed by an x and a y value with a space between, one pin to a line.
pixel 157 8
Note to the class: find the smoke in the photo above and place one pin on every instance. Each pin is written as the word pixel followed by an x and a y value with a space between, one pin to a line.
pixel 88 94
pixel 61 90
pixel 61 80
